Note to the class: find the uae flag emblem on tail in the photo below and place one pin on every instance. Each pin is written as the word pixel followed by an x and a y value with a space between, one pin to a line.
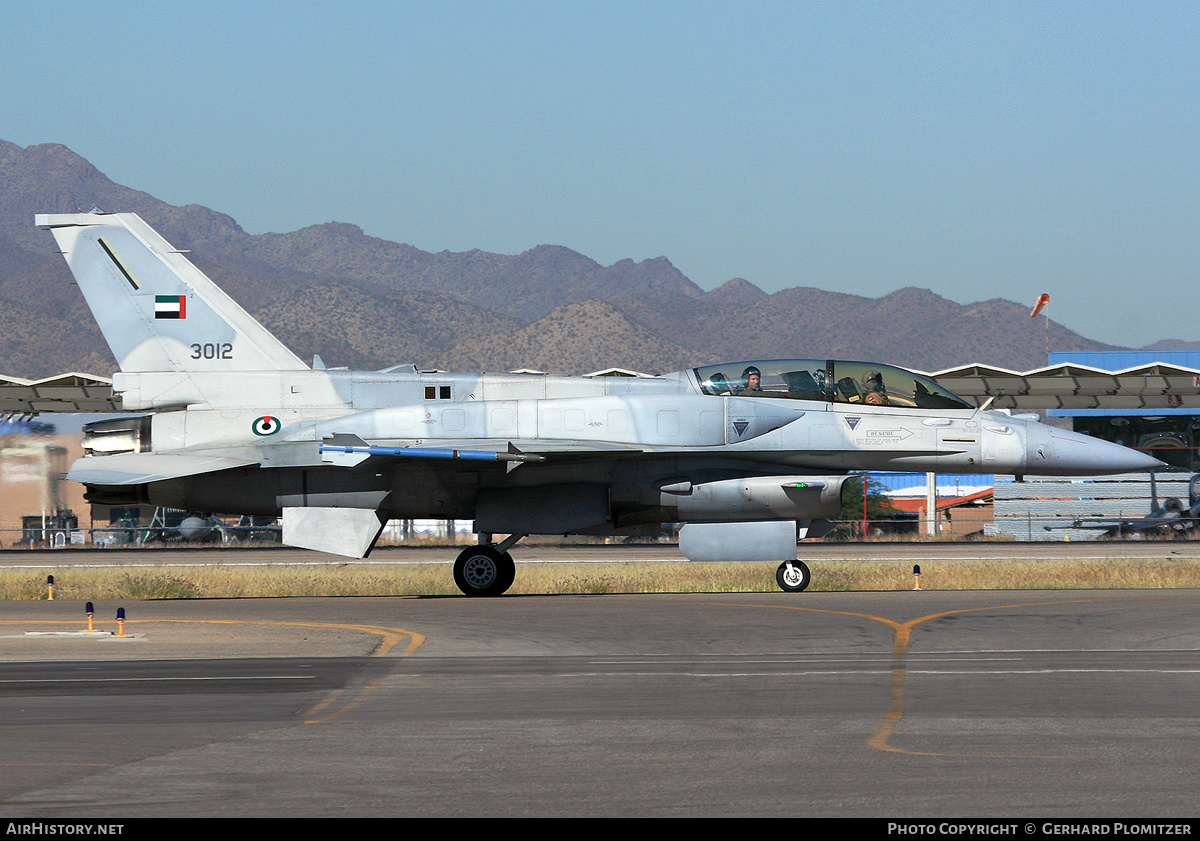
pixel 170 306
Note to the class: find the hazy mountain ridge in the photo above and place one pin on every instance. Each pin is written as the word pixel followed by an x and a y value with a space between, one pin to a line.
pixel 366 302
pixel 576 339
pixel 513 284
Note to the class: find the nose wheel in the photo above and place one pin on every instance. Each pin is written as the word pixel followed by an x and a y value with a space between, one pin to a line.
pixel 792 576
pixel 484 571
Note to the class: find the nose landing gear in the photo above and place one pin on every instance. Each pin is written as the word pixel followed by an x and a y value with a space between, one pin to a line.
pixel 792 576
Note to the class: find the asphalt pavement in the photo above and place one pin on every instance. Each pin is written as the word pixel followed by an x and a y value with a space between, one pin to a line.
pixel 892 705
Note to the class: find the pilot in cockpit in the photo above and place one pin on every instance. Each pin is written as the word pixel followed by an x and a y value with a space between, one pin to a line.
pixel 874 391
pixel 751 380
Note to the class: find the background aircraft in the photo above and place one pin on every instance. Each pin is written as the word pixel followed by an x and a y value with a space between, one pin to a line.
pixel 750 456
pixel 1172 518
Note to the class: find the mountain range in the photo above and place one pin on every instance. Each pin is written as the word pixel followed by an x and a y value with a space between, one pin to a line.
pixel 365 302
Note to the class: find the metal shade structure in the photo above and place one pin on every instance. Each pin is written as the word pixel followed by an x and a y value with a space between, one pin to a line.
pixel 1071 386
pixel 72 393
pixel 1063 386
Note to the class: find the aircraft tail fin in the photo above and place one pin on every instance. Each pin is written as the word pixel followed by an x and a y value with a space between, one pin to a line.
pixel 157 311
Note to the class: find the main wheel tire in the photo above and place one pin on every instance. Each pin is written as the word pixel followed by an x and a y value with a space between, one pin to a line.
pixel 509 570
pixel 482 571
pixel 793 577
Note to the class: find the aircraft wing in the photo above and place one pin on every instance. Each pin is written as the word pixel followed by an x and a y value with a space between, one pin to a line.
pixel 349 450
pixel 140 468
pixel 71 392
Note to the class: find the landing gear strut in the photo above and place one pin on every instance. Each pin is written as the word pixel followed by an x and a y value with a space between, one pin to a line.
pixel 486 570
pixel 792 576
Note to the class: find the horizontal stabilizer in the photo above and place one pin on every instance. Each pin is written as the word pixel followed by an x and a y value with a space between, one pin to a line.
pixel 140 468
pixel 350 532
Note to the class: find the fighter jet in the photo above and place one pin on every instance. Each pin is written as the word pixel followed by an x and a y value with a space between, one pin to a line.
pixel 749 456
pixel 1171 519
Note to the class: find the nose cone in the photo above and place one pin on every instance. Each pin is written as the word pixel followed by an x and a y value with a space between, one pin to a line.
pixel 1057 452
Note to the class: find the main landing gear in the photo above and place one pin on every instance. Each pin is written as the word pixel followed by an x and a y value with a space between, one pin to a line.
pixel 792 576
pixel 486 569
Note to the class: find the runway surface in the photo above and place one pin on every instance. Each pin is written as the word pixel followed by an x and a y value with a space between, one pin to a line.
pixel 905 704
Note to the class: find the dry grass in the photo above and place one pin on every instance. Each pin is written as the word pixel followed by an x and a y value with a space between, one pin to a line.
pixel 232 581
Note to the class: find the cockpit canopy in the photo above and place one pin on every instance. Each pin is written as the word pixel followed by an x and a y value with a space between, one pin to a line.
pixel 830 380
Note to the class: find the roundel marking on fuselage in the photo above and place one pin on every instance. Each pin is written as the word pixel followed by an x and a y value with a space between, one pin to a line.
pixel 266 425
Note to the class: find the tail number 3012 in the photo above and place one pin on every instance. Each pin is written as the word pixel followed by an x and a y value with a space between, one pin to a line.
pixel 212 350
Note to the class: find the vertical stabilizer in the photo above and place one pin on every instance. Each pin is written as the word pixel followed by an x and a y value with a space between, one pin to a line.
pixel 156 310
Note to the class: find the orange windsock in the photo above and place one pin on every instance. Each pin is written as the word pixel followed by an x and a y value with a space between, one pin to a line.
pixel 1042 300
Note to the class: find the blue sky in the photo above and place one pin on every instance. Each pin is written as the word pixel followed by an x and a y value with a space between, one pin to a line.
pixel 979 149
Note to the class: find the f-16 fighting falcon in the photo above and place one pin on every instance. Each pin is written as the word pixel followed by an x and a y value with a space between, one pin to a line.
pixel 749 456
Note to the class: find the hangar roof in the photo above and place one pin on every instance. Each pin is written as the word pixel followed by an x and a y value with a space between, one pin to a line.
pixel 1071 386
pixel 1157 386
pixel 73 392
